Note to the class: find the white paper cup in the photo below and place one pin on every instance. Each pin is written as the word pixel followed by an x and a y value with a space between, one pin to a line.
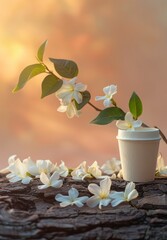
pixel 138 153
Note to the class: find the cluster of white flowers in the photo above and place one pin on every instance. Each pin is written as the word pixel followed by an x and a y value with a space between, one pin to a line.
pixel 102 195
pixel 51 175
pixel 68 94
pixel 72 91
pixel 26 170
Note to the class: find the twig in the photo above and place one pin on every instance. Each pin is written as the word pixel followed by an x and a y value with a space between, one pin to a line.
pixel 160 132
pixel 162 135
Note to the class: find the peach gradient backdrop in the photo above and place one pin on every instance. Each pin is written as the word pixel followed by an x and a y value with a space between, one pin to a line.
pixel 113 41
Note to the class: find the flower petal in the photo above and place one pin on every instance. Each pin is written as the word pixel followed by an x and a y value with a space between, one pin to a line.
pixel 132 195
pixel 110 90
pixel 117 195
pixel 129 187
pixel 78 97
pixel 67 98
pixel 105 186
pixel 44 179
pixel 12 159
pixel 43 187
pixel 122 124
pixel 83 199
pixel 26 180
pixel 62 108
pixel 61 198
pixel 93 201
pixel 71 110
pixel 15 179
pixel 104 202
pixel 54 177
pixel 94 189
pixel 160 162
pixel 137 123
pixel 66 203
pixel 129 117
pixel 107 102
pixel 99 98
pixel 80 87
pixel 73 193
pixel 72 81
pixel 116 202
pixel 163 171
pixel 57 183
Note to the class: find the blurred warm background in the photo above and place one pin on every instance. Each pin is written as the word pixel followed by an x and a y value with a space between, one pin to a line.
pixel 113 41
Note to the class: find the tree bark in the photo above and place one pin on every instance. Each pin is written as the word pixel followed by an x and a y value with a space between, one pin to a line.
pixel 29 213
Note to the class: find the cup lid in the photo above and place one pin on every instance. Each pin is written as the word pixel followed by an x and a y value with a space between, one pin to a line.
pixel 141 133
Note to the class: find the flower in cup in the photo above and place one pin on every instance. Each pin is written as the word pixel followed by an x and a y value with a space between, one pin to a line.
pixel 129 122
pixel 71 199
pixel 71 90
pixel 129 194
pixel 50 181
pixel 109 91
pixel 101 193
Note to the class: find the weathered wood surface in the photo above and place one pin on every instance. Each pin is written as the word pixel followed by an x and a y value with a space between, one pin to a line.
pixel 29 213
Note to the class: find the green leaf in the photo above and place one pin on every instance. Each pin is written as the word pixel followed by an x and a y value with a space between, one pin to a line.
pixel 108 115
pixel 41 50
pixel 86 97
pixel 135 105
pixel 50 85
pixel 65 68
pixel 28 73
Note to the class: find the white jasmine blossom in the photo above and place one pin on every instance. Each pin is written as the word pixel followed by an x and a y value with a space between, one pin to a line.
pixel 101 193
pixel 50 181
pixel 82 171
pixel 18 172
pixel 70 109
pixel 109 92
pixel 111 166
pixel 94 170
pixel 31 166
pixel 71 90
pixel 71 199
pixel 62 169
pixel 11 161
pixel 129 194
pixel 129 122
pixel 161 167
pixel 45 166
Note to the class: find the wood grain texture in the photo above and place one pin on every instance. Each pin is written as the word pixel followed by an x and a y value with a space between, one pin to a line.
pixel 29 213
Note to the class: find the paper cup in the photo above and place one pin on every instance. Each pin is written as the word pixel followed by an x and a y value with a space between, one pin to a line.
pixel 138 153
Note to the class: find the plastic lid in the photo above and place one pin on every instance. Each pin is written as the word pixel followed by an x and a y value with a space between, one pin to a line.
pixel 139 134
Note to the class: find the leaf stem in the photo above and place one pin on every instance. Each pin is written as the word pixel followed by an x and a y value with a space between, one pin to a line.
pixel 48 70
pixel 97 109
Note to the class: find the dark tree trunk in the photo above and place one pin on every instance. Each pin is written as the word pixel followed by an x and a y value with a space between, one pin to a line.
pixel 29 213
